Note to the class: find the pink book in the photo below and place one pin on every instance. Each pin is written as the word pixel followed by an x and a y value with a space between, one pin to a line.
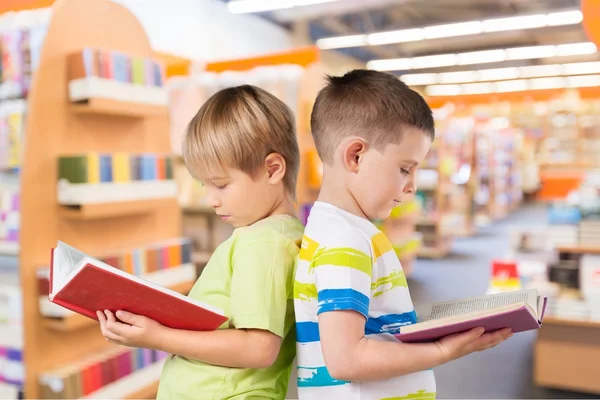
pixel 519 310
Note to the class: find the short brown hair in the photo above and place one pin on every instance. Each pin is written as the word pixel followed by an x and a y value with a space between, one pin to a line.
pixel 370 104
pixel 239 127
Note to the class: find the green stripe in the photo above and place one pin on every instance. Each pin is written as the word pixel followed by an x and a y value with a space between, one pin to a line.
pixel 395 279
pixel 305 291
pixel 343 257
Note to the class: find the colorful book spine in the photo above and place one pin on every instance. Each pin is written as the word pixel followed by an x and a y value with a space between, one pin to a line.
pixel 117 167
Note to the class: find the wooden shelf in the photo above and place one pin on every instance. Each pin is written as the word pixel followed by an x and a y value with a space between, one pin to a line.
pixel 103 106
pixel 579 249
pixel 571 322
pixel 86 212
pixel 148 392
pixel 75 322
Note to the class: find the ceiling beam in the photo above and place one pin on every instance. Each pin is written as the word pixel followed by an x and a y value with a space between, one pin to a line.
pixel 333 8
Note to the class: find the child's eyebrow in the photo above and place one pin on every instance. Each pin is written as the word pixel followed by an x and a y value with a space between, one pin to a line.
pixel 217 178
pixel 411 162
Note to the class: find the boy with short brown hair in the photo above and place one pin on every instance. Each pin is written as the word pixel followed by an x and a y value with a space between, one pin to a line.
pixel 351 295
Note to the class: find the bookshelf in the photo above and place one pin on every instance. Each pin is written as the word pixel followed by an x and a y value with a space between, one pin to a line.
pixel 101 124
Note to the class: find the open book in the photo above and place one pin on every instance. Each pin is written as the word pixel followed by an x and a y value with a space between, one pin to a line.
pixel 518 310
pixel 84 285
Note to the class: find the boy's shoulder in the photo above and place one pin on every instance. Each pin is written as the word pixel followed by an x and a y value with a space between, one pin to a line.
pixel 278 230
pixel 329 226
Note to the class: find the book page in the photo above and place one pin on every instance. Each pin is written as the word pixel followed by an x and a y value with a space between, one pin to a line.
pixel 474 304
pixel 65 264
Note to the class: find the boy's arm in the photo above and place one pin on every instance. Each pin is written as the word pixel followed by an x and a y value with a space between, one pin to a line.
pixel 261 279
pixel 343 272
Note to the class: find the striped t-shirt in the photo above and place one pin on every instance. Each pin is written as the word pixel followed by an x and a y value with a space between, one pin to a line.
pixel 346 263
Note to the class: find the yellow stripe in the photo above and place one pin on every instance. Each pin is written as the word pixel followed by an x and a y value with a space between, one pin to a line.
pixel 420 395
pixel 387 283
pixel 381 244
pixel 305 291
pixel 93 167
pixel 343 257
pixel 308 248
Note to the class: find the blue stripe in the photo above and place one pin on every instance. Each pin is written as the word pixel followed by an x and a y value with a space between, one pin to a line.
pixel 307 332
pixel 342 299
pixel 319 376
pixel 390 323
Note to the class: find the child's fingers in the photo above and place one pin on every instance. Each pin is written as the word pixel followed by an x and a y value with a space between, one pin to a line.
pixel 114 326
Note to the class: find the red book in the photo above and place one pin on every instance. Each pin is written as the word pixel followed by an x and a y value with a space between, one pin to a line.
pixel 84 285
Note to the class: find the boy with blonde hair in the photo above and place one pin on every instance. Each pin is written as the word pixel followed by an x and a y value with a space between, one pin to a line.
pixel 242 146
pixel 371 132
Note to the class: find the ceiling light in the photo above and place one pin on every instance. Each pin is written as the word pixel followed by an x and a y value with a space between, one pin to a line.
pixel 497 74
pixel 546 83
pixel 438 60
pixel 540 71
pixel 483 57
pixel 517 85
pixel 457 77
pixel 479 57
pixel 419 79
pixel 342 41
pixel 575 49
pixel 255 6
pixel 564 18
pixel 531 52
pixel 450 30
pixel 570 17
pixel 405 35
pixel 511 86
pixel 581 68
pixel 443 90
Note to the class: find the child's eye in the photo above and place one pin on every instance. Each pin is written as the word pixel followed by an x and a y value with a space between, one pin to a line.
pixel 221 186
pixel 404 171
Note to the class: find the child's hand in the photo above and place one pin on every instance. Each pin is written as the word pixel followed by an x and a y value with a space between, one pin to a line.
pixel 134 331
pixel 462 344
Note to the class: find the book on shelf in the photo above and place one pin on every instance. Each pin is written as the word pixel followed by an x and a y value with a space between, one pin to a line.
pixel 85 285
pixel 519 310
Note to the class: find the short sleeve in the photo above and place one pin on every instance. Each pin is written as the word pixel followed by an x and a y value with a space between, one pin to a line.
pixel 261 280
pixel 343 270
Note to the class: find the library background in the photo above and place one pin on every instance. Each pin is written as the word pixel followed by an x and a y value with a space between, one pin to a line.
pixel 92 112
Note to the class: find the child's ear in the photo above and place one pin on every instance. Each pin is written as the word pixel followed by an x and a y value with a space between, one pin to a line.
pixel 354 153
pixel 275 167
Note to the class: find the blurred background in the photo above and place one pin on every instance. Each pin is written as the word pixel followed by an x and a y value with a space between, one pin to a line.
pixel 94 98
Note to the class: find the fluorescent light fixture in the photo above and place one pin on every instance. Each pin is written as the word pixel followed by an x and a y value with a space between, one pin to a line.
pixel 419 79
pixel 581 68
pixel 443 90
pixel 531 52
pixel 534 71
pixel 514 23
pixel 405 35
pixel 342 41
pixel 569 17
pixel 394 64
pixel 498 74
pixel 512 77
pixel 564 18
pixel 583 81
pixel 457 77
pixel 546 83
pixel 255 6
pixel 479 57
pixel 477 88
pixel 511 86
pixel 483 57
pixel 575 49
pixel 517 85
pixel 451 30
pixel 439 60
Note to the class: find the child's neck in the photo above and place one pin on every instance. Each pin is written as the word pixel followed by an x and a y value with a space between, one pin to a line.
pixel 333 191
pixel 283 206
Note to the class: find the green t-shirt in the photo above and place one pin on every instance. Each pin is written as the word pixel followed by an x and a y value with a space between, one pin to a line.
pixel 250 276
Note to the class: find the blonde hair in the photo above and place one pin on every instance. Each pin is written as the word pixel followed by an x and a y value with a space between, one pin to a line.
pixel 239 127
